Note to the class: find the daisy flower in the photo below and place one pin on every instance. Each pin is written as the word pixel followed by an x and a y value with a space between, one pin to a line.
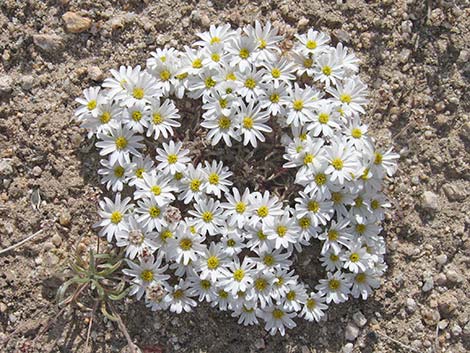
pixel 247 313
pixel 144 274
pixel 216 34
pixel 162 119
pixel 275 99
pixel 113 216
pixel 185 246
pixel 319 211
pixel 282 230
pixel 172 157
pixel 356 259
pixel 135 239
pixel 209 216
pixel 325 121
pixel 212 262
pixel 179 299
pixel 139 166
pixel 251 84
pixel 313 42
pixel 343 161
pixel 151 215
pixel 351 95
pixel 348 61
pixel 301 105
pixel 252 120
pixel 295 297
pixel 90 103
pixel 263 207
pixel 314 307
pixel 335 288
pixel 222 127
pixel 192 181
pixel 157 186
pixel 331 260
pixel 336 236
pixel 119 144
pixel 115 84
pixel 363 283
pixel 106 117
pixel 216 178
pixel 202 288
pixel 140 86
pixel 277 319
pixel 328 70
pixel 238 277
pixel 242 50
pixel 136 117
pixel 356 132
pixel 236 207
pixel 267 40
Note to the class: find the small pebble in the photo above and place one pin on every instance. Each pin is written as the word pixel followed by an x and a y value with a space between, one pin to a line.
pixel 351 332
pixel 456 330
pixel 6 168
pixel 205 21
pixel 441 259
pixel 260 344
pixel 95 73
pixel 37 171
pixel 411 305
pixel 359 319
pixel 453 277
pixel 302 23
pixel 6 85
pixel 64 218
pixel 3 307
pixel 75 23
pixel 347 348
pixel 430 201
pixel 428 284
pixel 56 240
pixel 27 82
pixel 48 42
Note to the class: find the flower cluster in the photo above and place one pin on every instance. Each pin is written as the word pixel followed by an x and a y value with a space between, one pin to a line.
pixel 189 234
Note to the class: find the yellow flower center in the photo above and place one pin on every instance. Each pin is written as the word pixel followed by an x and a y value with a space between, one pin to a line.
pixel 166 234
pixel 345 98
pixel 121 142
pixel 261 284
pixel 105 117
pixel 337 164
pixel 213 263
pixel 146 275
pixel 261 235
pixel 311 44
pixel 305 222
pixel 222 294
pixel 333 235
pixel 274 98
pixel 230 77
pixel 248 122
pixel 224 122
pixel 298 104
pixel 308 158
pixel 311 304
pixel 197 63
pixel 209 82
pixel 308 63
pixel 268 260
pixel 250 83
pixel 205 284
pixel 157 190
pixel 116 217
pixel 360 228
pixel 358 201
pixel 139 173
pixel 231 243
pixel 214 179
pixel 278 314
pixel 186 244
pixel 154 211
pixel 165 75
pixel 334 284
pixel 290 295
pixel 374 204
pixel 240 207
pixel 136 115
pixel 178 294
pixel 238 275
pixel 337 197
pixel 263 211
pixel 378 158
pixel 360 278
pixel 354 257
pixel 281 231
pixel 244 53
pixel 91 104
pixel 138 93
pixel 119 171
pixel 172 158
pixel 356 133
pixel 320 179
pixel 323 118
pixel 207 216
pixel 262 44
pixel 223 103
pixel 178 175
pixel 334 257
pixel 215 40
pixel 313 206
pixel 157 118
pixel 195 184
pixel 215 57
pixel 276 73
pixel 326 70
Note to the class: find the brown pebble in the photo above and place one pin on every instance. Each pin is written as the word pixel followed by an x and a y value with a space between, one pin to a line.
pixel 64 218
pixel 56 240
pixel 75 23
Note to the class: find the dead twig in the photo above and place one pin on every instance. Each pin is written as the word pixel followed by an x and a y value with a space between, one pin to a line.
pixel 14 246
pixel 402 345
pixel 123 329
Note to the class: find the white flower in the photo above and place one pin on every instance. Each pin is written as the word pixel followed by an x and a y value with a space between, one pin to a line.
pixel 363 283
pixel 263 207
pixel 282 230
pixel 352 95
pixel 156 186
pixel 172 157
pixel 113 216
pixel 216 34
pixel 295 297
pixel 336 236
pixel 325 121
pixel 314 307
pixel 147 272
pixel 343 161
pixel 209 216
pixel 179 299
pixel 251 87
pixel 113 175
pixel 162 119
pixel 242 49
pixel 140 86
pixel 139 166
pixel 356 259
pixel 212 262
pixel 335 287
pixel 267 40
pixel 221 127
pixel 238 277
pixel 136 117
pixel 236 207
pixel 301 105
pixel 136 239
pixel 313 42
pixel 252 120
pixel 277 318
pixel 105 117
pixel 279 71
pixel 203 288
pixel 216 178
pixel 119 144
pixel 185 246
pixel 90 103
pixel 151 214
pixel 192 181
pixel 275 99
pixel 328 70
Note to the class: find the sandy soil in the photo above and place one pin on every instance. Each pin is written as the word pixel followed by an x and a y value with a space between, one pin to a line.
pixel 415 58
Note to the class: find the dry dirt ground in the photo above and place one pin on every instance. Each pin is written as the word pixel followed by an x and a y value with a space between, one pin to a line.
pixel 415 58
